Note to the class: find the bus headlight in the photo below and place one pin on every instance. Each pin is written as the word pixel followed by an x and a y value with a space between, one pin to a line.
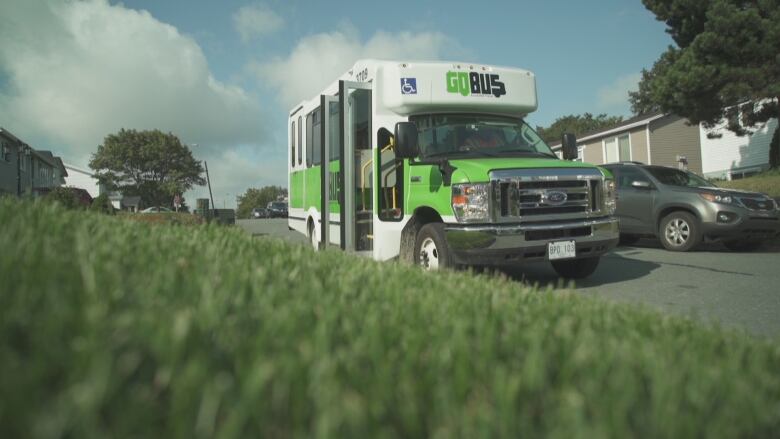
pixel 610 196
pixel 470 202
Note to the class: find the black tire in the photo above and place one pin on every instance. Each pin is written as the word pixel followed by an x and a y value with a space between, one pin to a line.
pixel 576 268
pixel 628 239
pixel 431 251
pixel 739 245
pixel 679 231
pixel 312 236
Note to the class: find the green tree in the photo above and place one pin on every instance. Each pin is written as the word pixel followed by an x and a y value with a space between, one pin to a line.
pixel 577 124
pixel 257 198
pixel 725 65
pixel 151 164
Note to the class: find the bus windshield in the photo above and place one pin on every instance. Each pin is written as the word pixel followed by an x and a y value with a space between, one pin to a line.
pixel 477 135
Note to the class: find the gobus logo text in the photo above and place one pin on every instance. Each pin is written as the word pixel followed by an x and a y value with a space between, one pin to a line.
pixel 474 83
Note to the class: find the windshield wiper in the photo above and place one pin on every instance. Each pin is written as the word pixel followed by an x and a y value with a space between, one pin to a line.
pixel 462 153
pixel 525 151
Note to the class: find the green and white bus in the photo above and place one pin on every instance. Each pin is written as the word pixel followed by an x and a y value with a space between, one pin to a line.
pixel 433 163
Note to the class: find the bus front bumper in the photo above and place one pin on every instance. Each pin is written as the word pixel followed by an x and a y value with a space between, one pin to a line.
pixel 510 244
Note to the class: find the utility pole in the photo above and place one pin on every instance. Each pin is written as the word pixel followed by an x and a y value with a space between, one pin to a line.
pixel 208 180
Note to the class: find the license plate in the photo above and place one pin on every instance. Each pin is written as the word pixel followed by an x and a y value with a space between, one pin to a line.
pixel 561 250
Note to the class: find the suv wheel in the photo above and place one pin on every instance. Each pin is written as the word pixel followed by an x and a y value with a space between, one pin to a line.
pixel 576 268
pixel 430 248
pixel 679 231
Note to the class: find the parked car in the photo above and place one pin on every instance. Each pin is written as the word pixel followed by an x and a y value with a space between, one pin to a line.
pixel 158 209
pixel 260 212
pixel 682 209
pixel 277 209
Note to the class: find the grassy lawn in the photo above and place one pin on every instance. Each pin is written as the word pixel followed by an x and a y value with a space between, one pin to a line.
pixel 767 182
pixel 115 328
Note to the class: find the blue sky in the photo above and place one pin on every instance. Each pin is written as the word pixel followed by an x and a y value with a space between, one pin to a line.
pixel 222 75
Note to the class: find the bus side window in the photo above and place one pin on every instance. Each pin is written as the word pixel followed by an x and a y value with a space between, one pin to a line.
pixel 309 135
pixel 334 132
pixel 300 140
pixel 316 140
pixel 292 144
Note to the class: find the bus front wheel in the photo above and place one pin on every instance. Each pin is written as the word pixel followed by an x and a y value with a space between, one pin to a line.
pixel 430 249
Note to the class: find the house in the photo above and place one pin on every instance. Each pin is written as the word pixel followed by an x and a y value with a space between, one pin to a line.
pixel 15 168
pixel 26 171
pixel 731 157
pixel 669 140
pixel 128 203
pixel 48 171
pixel 83 178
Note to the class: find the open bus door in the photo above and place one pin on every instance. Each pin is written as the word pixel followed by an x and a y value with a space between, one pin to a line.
pixel 346 183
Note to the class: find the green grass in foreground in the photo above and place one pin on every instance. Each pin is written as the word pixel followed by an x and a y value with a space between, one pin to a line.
pixel 767 182
pixel 110 327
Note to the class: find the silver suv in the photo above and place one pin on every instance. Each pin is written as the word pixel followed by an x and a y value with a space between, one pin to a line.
pixel 683 209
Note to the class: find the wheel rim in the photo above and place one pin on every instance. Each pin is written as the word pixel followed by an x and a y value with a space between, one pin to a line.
pixel 429 255
pixel 678 231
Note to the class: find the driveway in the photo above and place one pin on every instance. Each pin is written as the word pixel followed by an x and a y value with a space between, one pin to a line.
pixel 740 290
pixel 273 227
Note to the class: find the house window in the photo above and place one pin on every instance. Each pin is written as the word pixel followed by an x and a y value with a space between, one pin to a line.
pixel 617 149
pixel 5 150
pixel 580 154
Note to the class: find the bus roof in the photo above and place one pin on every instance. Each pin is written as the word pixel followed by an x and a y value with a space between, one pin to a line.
pixel 416 87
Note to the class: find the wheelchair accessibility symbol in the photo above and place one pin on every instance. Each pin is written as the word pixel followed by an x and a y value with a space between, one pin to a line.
pixel 409 86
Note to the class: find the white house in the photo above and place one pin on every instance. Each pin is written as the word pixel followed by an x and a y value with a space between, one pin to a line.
pixel 731 156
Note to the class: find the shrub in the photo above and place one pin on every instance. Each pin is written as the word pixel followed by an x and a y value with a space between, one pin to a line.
pixel 67 197
pixel 102 204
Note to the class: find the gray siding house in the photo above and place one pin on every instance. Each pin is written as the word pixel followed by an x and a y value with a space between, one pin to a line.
pixel 658 139
pixel 669 140
pixel 25 171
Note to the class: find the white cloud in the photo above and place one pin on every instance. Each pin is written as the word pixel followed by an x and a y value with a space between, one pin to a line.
pixel 319 59
pixel 615 96
pixel 256 20
pixel 77 71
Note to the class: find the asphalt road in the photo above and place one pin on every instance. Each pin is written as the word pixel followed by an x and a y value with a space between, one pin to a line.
pixel 740 290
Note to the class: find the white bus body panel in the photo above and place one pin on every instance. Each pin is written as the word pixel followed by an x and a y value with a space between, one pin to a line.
pixel 440 88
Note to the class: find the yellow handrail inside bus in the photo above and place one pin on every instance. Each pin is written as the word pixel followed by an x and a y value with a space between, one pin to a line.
pixel 387 176
pixel 363 172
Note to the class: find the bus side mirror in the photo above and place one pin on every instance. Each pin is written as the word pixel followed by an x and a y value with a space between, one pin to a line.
pixel 406 140
pixel 569 146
